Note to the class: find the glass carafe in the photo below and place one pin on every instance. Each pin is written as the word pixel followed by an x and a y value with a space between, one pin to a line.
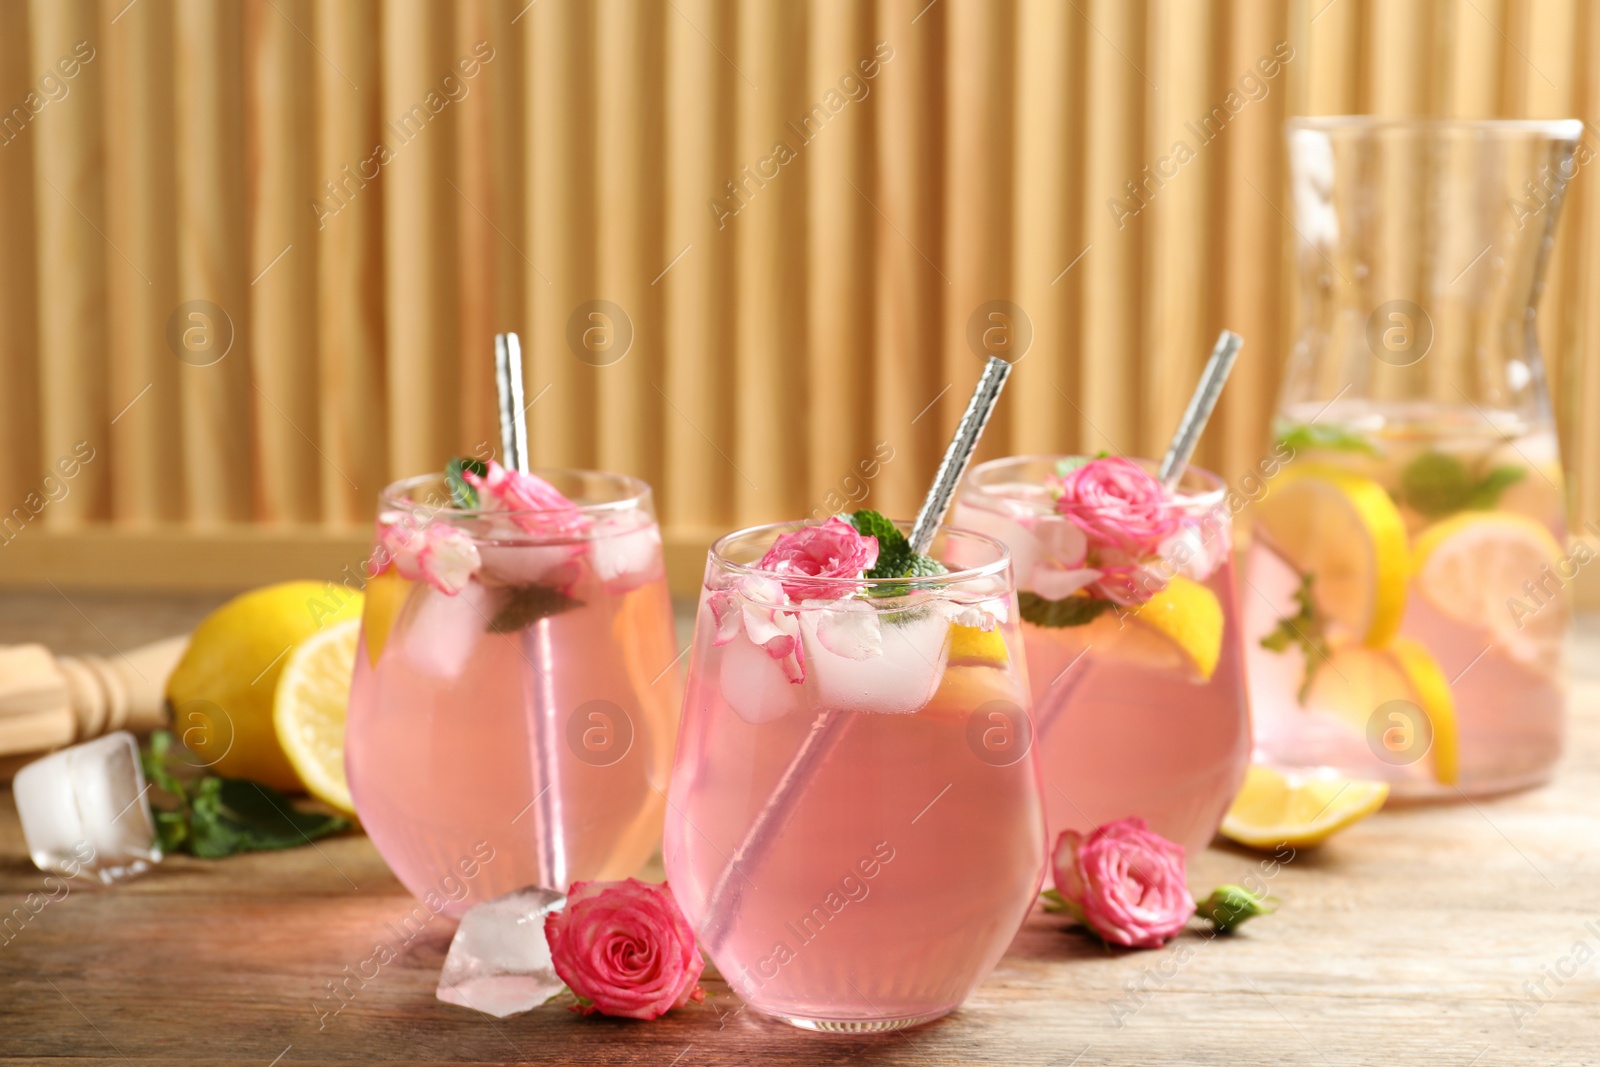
pixel 1405 595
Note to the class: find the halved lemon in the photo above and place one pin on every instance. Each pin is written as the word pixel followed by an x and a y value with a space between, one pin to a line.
pixel 309 711
pixel 1276 809
pixel 1179 629
pixel 1344 530
pixel 1474 568
pixel 1378 692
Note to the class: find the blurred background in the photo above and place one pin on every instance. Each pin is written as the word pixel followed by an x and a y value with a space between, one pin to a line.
pixel 253 254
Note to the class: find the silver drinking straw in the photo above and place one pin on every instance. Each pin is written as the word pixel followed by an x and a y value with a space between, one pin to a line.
pixel 537 652
pixel 830 726
pixel 1201 404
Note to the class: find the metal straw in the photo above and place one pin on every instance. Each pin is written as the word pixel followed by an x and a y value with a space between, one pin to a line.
pixel 538 653
pixel 513 417
pixel 1212 379
pixel 830 725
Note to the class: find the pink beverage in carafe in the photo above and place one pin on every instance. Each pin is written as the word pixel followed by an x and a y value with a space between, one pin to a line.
pixel 879 892
pixel 520 730
pixel 1141 708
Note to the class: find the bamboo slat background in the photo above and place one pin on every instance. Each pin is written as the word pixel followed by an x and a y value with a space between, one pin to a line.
pixel 790 210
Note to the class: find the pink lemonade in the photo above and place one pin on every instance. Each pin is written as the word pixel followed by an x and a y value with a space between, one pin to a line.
pixel 1142 711
pixel 520 731
pixel 855 830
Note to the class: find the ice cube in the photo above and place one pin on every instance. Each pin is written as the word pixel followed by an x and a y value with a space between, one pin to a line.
pixel 85 809
pixel 499 960
pixel 444 630
pixel 627 560
pixel 754 684
pixel 525 564
pixel 899 679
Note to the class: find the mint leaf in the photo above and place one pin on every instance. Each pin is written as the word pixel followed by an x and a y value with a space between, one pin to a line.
pixel 525 605
pixel 1437 484
pixel 1327 438
pixel 1074 610
pixel 461 490
pixel 1067 464
pixel 894 551
pixel 1305 630
pixel 1486 494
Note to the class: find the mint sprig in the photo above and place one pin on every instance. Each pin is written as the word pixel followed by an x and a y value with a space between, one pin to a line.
pixel 1075 610
pixel 1437 484
pixel 896 558
pixel 218 817
pixel 462 491
pixel 1306 630
pixel 523 605
pixel 1308 437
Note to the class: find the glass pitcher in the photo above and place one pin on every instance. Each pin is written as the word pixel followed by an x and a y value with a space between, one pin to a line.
pixel 1405 601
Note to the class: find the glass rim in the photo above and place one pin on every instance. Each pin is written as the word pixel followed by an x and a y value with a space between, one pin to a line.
pixel 1001 565
pixel 1206 498
pixel 396 497
pixel 1558 129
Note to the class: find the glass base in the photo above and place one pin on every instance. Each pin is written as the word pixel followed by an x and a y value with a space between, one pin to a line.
pixel 862 1026
pixel 1416 792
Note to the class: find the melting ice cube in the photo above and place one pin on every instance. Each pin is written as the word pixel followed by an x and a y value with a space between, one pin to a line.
pixel 444 630
pixel 85 809
pixel 898 680
pixel 499 961
pixel 626 560
pixel 754 684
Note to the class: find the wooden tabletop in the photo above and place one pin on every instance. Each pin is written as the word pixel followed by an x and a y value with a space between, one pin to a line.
pixel 1462 934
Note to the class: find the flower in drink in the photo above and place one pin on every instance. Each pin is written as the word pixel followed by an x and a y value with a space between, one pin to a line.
pixel 625 949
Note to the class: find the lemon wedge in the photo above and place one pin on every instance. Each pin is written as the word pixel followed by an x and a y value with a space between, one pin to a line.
pixel 1344 530
pixel 971 646
pixel 1357 684
pixel 1276 809
pixel 1178 630
pixel 309 711
pixel 1473 566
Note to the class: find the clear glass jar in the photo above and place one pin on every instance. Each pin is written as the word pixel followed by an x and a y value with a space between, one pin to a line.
pixel 518 731
pixel 1405 603
pixel 855 829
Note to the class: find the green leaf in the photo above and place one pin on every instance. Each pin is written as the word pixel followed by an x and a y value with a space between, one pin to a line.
pixel 461 490
pixel 1308 437
pixel 1074 610
pixel 525 605
pixel 1305 630
pixel 1486 495
pixel 264 818
pixel 154 762
pixel 895 557
pixel 1053 900
pixel 1067 464
pixel 1230 905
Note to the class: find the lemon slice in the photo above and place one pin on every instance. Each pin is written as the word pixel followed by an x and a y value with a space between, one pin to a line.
pixel 309 711
pixel 971 646
pixel 1275 809
pixel 1358 685
pixel 386 595
pixel 1178 630
pixel 1473 566
pixel 1343 530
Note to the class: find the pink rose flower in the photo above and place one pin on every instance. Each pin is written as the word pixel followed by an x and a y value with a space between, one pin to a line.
pixel 1118 506
pixel 831 550
pixel 625 949
pixel 1125 883
pixel 438 553
pixel 535 505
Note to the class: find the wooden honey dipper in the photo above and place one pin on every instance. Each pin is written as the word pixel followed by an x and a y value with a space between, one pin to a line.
pixel 47 701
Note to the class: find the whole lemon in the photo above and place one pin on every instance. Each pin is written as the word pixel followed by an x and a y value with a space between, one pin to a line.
pixel 221 693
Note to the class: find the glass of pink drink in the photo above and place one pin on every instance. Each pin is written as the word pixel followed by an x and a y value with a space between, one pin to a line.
pixel 855 829
pixel 1141 704
pixel 517 730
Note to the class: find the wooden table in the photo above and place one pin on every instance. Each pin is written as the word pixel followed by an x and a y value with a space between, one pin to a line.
pixel 1464 934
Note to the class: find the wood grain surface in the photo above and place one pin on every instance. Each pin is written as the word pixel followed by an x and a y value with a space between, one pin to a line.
pixel 1445 935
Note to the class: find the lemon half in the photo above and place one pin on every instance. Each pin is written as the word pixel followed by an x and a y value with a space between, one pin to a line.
pixel 309 711
pixel 1276 809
